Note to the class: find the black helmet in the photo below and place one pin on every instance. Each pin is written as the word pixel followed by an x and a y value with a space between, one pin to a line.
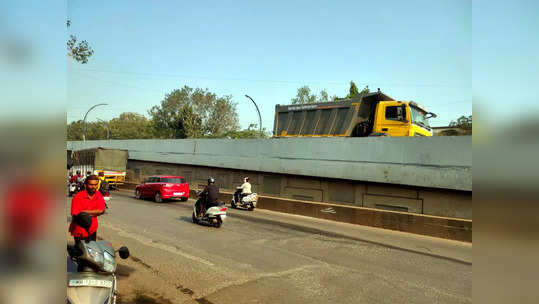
pixel 211 180
pixel 78 171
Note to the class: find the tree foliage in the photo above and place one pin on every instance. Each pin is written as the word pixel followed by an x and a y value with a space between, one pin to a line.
pixel 94 130
pixel 354 91
pixel 251 132
pixel 80 51
pixel 304 96
pixel 464 123
pixel 193 113
pixel 130 125
pixel 126 126
pixel 136 126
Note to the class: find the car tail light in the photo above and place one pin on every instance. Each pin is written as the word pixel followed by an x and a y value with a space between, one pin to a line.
pixel 223 209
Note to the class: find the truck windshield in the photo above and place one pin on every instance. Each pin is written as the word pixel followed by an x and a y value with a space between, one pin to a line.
pixel 418 117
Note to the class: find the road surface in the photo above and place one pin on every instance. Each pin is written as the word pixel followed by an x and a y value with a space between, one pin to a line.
pixel 267 257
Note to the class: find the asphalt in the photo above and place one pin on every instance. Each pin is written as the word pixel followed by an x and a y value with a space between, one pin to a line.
pixel 269 257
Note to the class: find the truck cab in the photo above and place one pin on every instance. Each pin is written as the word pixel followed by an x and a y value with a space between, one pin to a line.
pixel 398 118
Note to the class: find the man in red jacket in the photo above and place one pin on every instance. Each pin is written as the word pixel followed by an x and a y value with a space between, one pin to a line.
pixel 90 201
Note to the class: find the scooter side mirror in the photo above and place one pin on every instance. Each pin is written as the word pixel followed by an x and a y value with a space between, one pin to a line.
pixel 123 252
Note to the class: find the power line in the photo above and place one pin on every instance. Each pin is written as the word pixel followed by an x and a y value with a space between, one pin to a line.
pixel 184 76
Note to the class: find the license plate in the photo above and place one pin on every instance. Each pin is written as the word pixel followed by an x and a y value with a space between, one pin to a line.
pixel 178 193
pixel 91 283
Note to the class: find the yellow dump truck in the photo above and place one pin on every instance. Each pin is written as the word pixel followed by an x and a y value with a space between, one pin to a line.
pixel 113 162
pixel 371 114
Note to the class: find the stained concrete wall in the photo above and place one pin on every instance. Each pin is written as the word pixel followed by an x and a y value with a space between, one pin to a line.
pixel 429 201
pixel 427 162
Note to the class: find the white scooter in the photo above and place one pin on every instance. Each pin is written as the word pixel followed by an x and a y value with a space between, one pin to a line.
pixel 94 280
pixel 247 202
pixel 213 216
pixel 72 188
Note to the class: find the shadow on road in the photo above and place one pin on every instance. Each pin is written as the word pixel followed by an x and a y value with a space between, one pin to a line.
pixel 187 219
pixel 124 270
pixel 143 299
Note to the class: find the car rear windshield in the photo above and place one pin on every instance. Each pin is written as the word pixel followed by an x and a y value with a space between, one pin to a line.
pixel 172 180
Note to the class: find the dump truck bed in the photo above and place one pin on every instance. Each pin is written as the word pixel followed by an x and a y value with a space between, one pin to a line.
pixel 337 118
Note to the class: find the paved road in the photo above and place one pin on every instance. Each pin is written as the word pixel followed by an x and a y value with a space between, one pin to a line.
pixel 253 258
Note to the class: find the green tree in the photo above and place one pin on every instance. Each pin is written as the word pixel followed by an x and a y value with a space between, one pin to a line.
pixel 251 132
pixel 80 51
pixel 192 113
pixel 464 123
pixel 354 92
pixel 130 125
pixel 305 96
pixel 94 130
pixel 323 97
pixel 353 89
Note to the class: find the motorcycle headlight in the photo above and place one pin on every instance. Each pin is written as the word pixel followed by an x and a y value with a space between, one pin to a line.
pixel 95 255
pixel 110 262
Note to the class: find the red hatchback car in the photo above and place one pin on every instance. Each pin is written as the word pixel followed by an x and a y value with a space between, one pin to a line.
pixel 162 187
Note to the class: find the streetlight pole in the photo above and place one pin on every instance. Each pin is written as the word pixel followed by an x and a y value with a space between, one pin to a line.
pixel 86 115
pixel 106 127
pixel 259 117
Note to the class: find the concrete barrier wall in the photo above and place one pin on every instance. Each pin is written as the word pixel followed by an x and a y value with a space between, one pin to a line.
pixel 430 201
pixel 428 162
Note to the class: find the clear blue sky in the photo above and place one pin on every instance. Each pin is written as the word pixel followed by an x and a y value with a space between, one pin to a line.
pixel 412 50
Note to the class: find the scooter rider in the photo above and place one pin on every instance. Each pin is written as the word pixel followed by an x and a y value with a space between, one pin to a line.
pixel 243 190
pixel 210 196
pixel 76 178
pixel 102 186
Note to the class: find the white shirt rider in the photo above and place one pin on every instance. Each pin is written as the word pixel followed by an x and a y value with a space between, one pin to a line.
pixel 245 187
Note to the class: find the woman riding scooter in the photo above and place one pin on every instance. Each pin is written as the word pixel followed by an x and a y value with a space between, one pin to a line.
pixel 243 190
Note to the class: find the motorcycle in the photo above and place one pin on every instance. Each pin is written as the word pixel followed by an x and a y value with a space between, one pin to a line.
pixel 213 216
pixel 72 188
pixel 94 281
pixel 247 202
